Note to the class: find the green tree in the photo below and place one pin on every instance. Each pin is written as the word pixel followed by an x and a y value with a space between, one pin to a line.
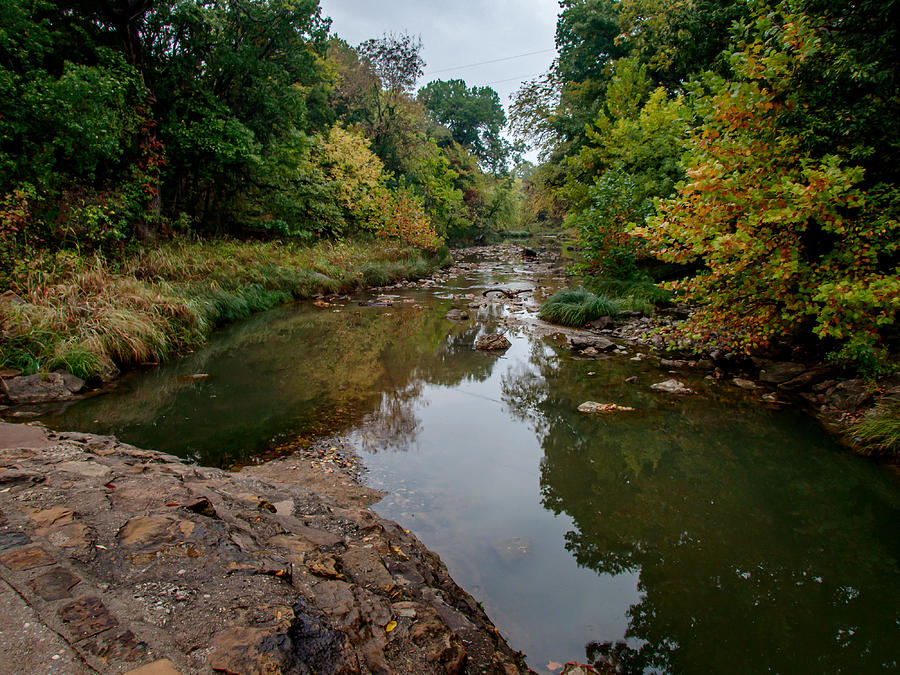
pixel 474 117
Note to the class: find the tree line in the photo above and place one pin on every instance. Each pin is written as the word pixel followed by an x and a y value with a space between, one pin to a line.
pixel 744 153
pixel 124 121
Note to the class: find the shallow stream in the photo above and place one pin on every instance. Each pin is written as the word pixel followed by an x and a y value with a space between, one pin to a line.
pixel 710 533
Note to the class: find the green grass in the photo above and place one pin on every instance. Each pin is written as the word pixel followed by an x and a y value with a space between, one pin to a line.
pixel 92 318
pixel 576 308
pixel 637 296
pixel 878 432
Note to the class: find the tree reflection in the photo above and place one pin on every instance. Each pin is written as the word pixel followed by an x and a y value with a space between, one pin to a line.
pixel 758 545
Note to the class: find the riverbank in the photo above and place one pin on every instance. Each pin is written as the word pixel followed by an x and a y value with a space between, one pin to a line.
pixel 92 318
pixel 123 557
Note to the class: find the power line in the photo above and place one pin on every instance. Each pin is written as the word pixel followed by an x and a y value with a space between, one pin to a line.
pixel 482 63
pixel 509 79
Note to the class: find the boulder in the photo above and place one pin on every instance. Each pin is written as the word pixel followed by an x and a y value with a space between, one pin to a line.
pixel 848 395
pixel 807 379
pixel 781 371
pixel 601 344
pixel 42 388
pixel 492 342
pixel 602 323
pixel 672 386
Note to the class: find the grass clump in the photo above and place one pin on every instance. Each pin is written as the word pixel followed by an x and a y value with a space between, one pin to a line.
pixel 636 296
pixel 91 316
pixel 574 308
pixel 878 432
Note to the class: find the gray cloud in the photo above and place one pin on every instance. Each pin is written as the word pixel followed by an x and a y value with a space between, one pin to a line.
pixel 459 33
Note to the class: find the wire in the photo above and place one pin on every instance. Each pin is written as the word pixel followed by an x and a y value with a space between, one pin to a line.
pixel 481 63
pixel 509 79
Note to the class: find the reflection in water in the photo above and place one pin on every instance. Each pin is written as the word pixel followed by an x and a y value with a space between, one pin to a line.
pixel 756 542
pixel 698 534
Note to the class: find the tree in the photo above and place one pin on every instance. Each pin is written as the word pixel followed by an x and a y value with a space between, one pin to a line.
pixel 473 115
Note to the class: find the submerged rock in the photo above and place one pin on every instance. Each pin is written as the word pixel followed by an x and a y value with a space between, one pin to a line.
pixel 492 342
pixel 672 386
pixel 594 407
pixel 458 315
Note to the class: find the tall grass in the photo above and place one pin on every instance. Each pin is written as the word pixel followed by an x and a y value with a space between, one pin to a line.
pixel 91 318
pixel 878 432
pixel 576 308
pixel 637 296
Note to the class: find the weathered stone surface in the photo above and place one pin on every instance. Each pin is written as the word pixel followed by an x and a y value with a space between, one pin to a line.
pixel 154 531
pixel 744 384
pixel 458 315
pixel 779 372
pixel 54 584
pixel 672 386
pixel 848 395
pixel 601 344
pixel 161 667
pixel 39 388
pixel 13 539
pixel 87 469
pixel 27 558
pixel 73 383
pixel 86 617
pixel 495 342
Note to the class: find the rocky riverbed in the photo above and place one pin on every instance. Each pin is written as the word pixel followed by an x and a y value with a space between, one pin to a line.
pixel 116 559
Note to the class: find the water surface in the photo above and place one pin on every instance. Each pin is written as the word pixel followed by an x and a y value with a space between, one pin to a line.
pixel 701 534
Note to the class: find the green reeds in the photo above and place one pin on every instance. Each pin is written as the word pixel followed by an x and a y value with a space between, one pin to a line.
pixel 576 308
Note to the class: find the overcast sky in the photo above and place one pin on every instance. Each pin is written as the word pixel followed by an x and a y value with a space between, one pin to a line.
pixel 457 33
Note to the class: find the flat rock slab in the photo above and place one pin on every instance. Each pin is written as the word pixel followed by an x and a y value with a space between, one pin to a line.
pixel 54 584
pixel 161 667
pixel 27 558
pixel 132 556
pixel 23 436
pixel 86 617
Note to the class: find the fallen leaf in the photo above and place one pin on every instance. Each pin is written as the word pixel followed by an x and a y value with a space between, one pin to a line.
pixel 391 626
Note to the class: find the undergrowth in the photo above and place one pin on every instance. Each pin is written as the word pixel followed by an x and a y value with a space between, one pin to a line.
pixel 574 308
pixel 878 432
pixel 636 296
pixel 92 317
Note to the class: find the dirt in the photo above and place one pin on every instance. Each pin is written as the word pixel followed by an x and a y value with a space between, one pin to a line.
pixel 114 558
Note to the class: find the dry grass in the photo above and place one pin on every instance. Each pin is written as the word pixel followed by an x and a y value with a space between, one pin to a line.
pixel 91 319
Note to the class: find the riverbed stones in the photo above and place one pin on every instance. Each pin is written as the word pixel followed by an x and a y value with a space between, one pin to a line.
pixel 780 372
pixel 458 315
pixel 672 386
pixel 582 342
pixel 492 342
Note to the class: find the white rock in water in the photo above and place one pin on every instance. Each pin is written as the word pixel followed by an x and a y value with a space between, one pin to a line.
pixel 672 386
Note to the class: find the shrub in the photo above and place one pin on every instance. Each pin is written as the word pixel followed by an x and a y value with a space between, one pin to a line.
pixel 574 308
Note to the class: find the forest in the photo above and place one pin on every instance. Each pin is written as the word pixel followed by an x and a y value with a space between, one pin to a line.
pixel 170 165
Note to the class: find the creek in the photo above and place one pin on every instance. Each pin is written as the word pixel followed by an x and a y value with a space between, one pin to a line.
pixel 707 533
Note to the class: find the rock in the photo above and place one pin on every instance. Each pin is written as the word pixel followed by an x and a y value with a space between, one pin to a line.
pixel 40 388
pixel 632 380
pixel 154 531
pixel 86 617
pixel 528 252
pixel 161 667
pixel 671 363
pixel 73 384
pixel 458 315
pixel 493 342
pixel 769 398
pixel 744 384
pixel 512 548
pixel 672 386
pixel 6 373
pixel 705 364
pixel 782 371
pixel 807 379
pixel 54 584
pixel 848 395
pixel 601 344
pixel 13 539
pixel 590 351
pixel 594 407
pixel 603 323
pixel 87 469
pixel 27 559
